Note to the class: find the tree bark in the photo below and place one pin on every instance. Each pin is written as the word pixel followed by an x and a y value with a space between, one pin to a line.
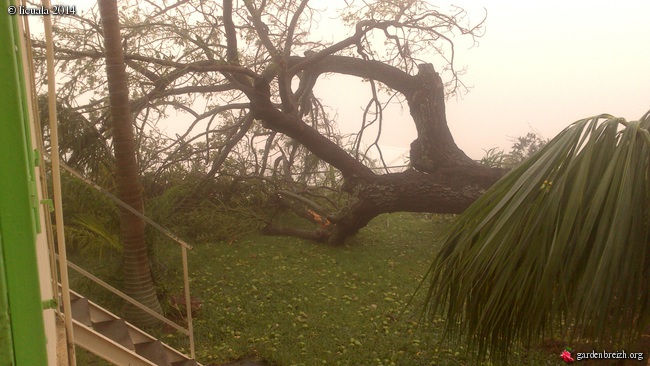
pixel 138 282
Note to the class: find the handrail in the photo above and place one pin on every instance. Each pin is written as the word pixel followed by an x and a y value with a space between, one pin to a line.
pixel 126 297
pixel 188 301
pixel 125 205
pixel 56 166
pixel 184 247
pixel 56 181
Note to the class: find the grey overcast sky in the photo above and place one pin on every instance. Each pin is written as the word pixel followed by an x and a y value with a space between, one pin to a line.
pixel 540 66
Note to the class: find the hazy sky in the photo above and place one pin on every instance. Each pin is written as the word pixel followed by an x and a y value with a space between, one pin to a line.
pixel 541 66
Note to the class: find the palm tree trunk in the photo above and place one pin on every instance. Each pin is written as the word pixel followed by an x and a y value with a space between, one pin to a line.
pixel 138 282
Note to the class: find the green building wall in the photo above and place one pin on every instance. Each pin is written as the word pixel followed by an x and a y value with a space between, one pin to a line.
pixel 22 333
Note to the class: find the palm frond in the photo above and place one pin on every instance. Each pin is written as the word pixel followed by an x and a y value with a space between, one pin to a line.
pixel 561 243
pixel 93 236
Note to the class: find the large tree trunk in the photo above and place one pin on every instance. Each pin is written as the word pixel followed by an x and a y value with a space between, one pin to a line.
pixel 138 281
pixel 442 178
pixel 410 191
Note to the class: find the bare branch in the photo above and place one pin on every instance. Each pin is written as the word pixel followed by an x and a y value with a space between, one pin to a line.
pixel 292 28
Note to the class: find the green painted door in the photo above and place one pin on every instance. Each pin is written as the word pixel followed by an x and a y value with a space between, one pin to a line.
pixel 21 314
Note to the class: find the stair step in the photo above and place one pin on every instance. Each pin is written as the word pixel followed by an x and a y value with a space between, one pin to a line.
pixel 116 330
pixel 81 311
pixel 99 314
pixel 106 348
pixel 154 352
pixel 110 337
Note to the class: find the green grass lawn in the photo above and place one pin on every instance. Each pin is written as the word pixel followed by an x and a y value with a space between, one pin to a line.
pixel 293 302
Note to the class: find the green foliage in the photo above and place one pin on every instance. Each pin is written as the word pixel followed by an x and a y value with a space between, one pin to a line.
pixel 91 218
pixel 522 148
pixel 203 211
pixel 81 142
pixel 560 244
pixel 494 158
pixel 88 231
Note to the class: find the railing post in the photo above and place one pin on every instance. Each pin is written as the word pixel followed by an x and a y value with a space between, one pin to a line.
pixel 188 300
pixel 56 183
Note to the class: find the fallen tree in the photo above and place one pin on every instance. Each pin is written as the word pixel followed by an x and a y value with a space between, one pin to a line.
pixel 442 179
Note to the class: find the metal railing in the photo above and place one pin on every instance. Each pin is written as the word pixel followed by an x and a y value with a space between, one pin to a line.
pixel 56 166
pixel 189 331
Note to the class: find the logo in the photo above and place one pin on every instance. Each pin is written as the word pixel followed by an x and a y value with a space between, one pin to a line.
pixel 566 355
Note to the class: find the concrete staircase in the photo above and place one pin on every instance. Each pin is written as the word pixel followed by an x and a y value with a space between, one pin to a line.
pixel 110 337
